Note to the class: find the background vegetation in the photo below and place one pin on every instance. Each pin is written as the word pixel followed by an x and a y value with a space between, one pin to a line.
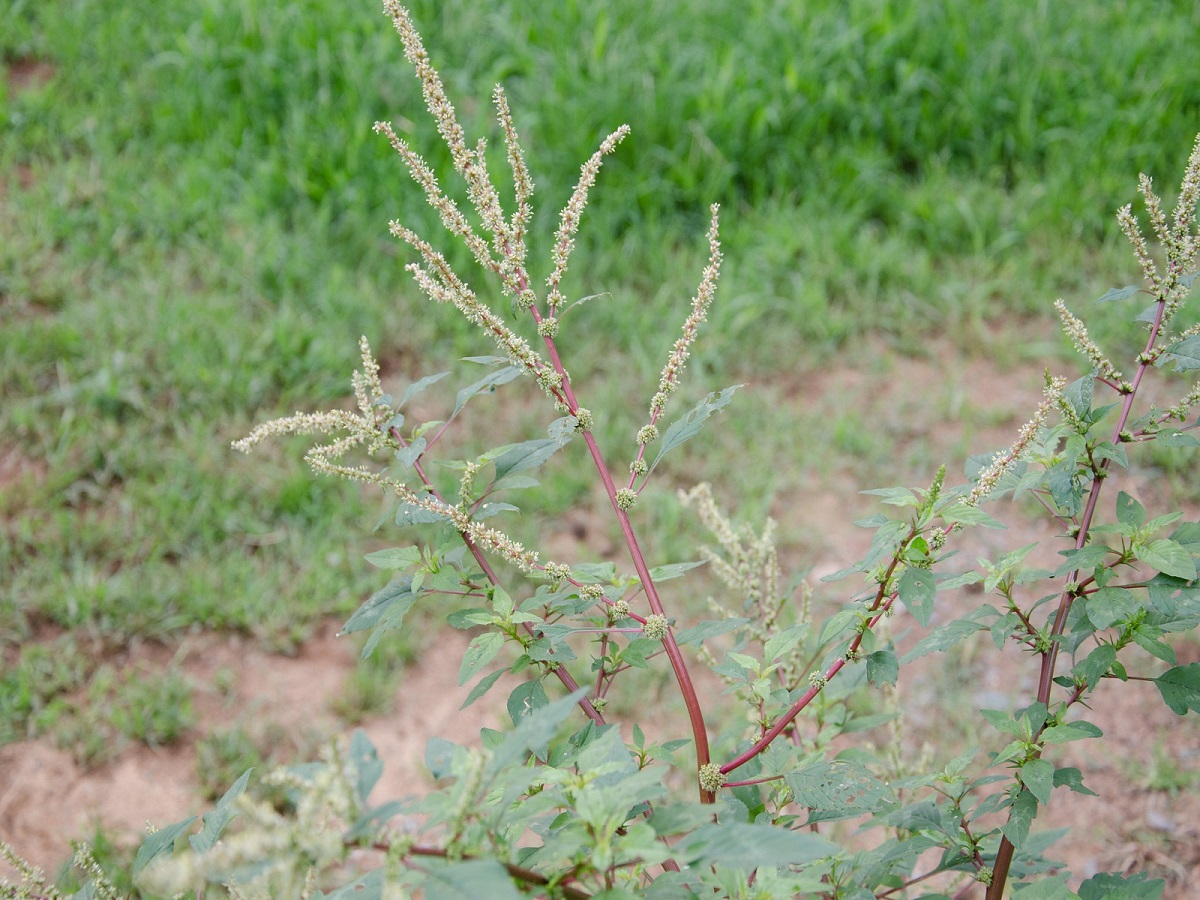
pixel 193 235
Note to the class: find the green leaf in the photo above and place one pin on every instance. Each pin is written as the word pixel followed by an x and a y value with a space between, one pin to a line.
pixel 418 387
pixel 1003 722
pixel 674 570
pixel 1180 688
pixel 670 819
pixel 1051 888
pixel 488 383
pixel 502 603
pixel 894 496
pixel 1084 559
pixel 1079 394
pixel 1149 638
pixel 369 887
pixel 562 429
pixel 689 425
pixel 384 610
pixel 439 757
pixel 749 846
pixel 1065 485
pixel 367 764
pixel 1072 779
pixel 1129 511
pixel 484 685
pixel 779 644
pixel 705 630
pixel 408 455
pixel 1185 354
pixel 916 590
pixel 162 841
pixel 836 789
pixel 837 624
pixel 1020 816
pixel 526 699
pixel 537 721
pixel 601 572
pixel 395 558
pixel 1038 777
pixel 1113 886
pixel 1110 605
pixel 858 723
pixel 481 651
pixel 411 514
pixel 1187 535
pixel 469 880
pixel 487 510
pixel 1070 731
pixel 1121 293
pixel 943 638
pixel 882 667
pixel 969 515
pixel 1174 437
pixel 521 457
pixel 1169 558
pixel 1174 598
pixel 1097 664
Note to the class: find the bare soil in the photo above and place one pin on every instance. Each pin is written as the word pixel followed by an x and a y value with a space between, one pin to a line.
pixel 1147 817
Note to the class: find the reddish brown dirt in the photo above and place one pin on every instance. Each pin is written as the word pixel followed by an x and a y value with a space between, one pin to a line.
pixel 46 798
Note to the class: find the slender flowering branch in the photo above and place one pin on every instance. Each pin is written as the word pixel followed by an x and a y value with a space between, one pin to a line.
pixel 669 379
pixel 1179 239
pixel 564 239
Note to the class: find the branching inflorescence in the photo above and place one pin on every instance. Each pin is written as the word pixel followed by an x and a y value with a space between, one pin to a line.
pixel 782 664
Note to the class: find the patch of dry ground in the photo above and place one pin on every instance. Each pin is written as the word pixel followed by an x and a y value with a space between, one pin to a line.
pixel 46 798
pixel 1142 820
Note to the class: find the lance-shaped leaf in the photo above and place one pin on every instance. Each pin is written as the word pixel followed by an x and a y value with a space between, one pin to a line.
pixel 487 383
pixel 384 610
pixel 484 685
pixel 395 558
pixel 674 570
pixel 535 727
pixel 1120 293
pixel 689 426
pixel 216 821
pixel 705 630
pixel 515 458
pixel 943 638
pixel 160 842
pixel 418 387
pixel 481 651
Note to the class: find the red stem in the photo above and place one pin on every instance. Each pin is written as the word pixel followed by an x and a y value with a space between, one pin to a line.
pixel 674 654
pixel 1004 854
pixel 779 727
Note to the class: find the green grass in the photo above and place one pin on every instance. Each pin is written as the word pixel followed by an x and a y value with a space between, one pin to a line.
pixel 193 235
